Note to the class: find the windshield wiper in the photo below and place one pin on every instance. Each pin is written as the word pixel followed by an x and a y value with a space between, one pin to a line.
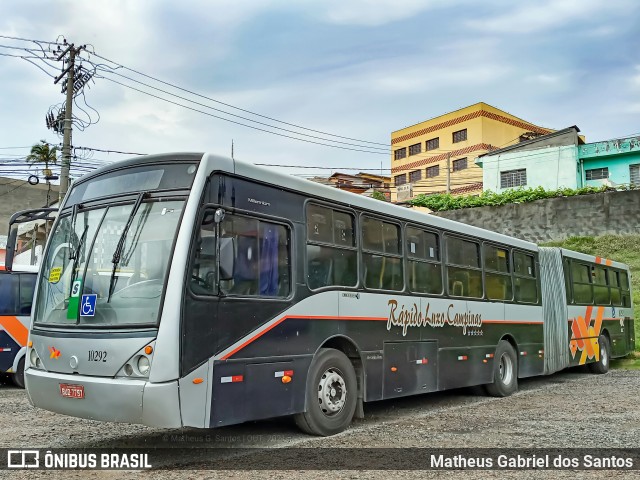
pixel 117 254
pixel 76 256
pixel 74 216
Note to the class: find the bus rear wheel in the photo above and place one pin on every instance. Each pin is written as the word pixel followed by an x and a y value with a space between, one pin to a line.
pixel 331 394
pixel 602 365
pixel 18 376
pixel 505 371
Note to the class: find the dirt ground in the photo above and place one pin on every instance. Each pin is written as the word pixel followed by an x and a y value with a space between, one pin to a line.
pixel 568 409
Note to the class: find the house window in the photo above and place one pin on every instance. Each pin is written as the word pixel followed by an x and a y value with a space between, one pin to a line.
pixel 433 143
pixel 400 179
pixel 597 173
pixel 415 175
pixel 433 171
pixel 400 153
pixel 415 149
pixel 459 164
pixel 460 136
pixel 634 174
pixel 513 178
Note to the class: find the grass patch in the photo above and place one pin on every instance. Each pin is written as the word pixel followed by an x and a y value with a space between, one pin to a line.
pixel 621 248
pixel 631 362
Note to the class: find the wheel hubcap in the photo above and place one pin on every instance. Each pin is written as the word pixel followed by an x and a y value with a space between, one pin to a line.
pixel 332 392
pixel 604 357
pixel 506 369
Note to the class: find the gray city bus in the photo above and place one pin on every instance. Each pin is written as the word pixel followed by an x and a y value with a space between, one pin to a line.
pixel 194 290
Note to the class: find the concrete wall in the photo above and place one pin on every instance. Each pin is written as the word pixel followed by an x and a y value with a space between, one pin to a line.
pixel 18 195
pixel 616 213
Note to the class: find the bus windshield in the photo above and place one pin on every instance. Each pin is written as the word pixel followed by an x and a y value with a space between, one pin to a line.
pixel 99 273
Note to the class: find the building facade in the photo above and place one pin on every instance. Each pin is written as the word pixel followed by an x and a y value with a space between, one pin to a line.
pixel 612 162
pixel 423 153
pixel 548 161
pixel 562 160
pixel 361 183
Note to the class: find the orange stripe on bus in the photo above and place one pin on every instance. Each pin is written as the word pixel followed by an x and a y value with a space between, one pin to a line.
pixel 306 317
pixel 325 317
pixel 515 322
pixel 16 329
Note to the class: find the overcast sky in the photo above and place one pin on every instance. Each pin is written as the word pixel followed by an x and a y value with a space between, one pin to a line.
pixel 354 68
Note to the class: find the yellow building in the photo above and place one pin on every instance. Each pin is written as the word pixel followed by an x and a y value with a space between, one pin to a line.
pixel 420 153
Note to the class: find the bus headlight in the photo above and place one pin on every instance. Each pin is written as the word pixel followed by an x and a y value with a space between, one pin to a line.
pixel 34 359
pixel 139 365
pixel 143 365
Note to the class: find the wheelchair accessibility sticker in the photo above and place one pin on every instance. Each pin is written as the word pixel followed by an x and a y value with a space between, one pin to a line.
pixel 88 305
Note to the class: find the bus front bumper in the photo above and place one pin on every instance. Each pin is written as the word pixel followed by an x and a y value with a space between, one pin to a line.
pixel 106 399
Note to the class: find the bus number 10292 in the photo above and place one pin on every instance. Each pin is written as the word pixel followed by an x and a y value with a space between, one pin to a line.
pixel 97 355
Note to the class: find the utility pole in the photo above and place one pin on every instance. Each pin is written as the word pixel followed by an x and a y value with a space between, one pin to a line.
pixel 70 87
pixel 449 172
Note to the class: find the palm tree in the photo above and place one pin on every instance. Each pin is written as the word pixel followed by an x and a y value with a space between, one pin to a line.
pixel 42 153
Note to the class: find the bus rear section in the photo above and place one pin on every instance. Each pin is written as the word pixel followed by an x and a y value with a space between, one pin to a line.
pixel 28 230
pixel 16 295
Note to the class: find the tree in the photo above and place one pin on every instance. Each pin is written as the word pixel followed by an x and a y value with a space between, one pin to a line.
pixel 42 153
pixel 378 196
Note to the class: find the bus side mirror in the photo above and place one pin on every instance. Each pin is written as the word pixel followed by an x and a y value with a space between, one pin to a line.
pixel 11 248
pixel 227 257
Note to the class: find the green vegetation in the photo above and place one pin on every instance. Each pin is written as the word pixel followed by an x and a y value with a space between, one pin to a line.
pixel 444 201
pixel 42 153
pixel 620 248
pixel 378 196
pixel 629 363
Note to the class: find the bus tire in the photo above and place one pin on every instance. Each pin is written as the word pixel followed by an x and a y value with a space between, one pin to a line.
pixel 332 394
pixel 505 371
pixel 18 376
pixel 602 365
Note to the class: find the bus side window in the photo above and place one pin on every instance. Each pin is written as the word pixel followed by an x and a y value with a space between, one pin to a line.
pixel 27 288
pixel 464 274
pixel 582 287
pixel 331 248
pixel 9 294
pixel 524 276
pixel 254 258
pixel 624 288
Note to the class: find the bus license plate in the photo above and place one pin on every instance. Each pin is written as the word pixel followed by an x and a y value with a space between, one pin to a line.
pixel 71 391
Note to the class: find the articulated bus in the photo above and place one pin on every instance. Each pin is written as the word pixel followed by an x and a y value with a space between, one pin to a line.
pixel 190 290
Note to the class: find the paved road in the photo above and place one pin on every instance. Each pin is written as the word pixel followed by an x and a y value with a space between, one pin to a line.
pixel 569 409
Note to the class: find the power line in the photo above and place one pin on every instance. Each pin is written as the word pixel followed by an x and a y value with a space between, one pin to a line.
pixel 29 40
pixel 240 123
pixel 386 150
pixel 234 107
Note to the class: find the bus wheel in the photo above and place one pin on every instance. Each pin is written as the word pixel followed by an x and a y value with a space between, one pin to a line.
pixel 505 371
pixel 18 377
pixel 602 365
pixel 332 394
